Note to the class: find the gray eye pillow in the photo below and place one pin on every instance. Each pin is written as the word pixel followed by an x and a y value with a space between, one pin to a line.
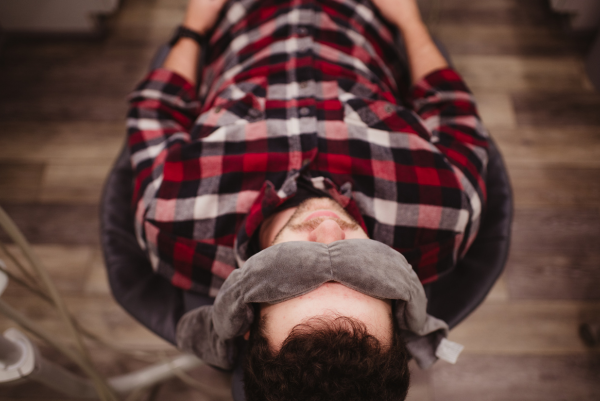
pixel 290 269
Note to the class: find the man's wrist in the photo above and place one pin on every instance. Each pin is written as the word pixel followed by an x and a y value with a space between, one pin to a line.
pixel 183 32
pixel 413 25
pixel 195 25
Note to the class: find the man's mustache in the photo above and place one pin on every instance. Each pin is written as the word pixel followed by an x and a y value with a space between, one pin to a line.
pixel 314 223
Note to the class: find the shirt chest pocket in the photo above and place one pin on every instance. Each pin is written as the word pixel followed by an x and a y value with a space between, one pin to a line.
pixel 370 113
pixel 230 115
pixel 384 123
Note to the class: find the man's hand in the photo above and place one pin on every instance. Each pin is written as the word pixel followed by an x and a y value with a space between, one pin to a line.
pixel 202 15
pixel 423 55
pixel 402 13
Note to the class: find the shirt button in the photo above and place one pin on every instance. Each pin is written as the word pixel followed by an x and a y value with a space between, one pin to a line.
pixel 389 108
pixel 304 85
pixel 254 113
pixel 304 111
pixel 218 109
pixel 302 31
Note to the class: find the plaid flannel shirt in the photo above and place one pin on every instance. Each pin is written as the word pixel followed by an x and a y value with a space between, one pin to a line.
pixel 311 87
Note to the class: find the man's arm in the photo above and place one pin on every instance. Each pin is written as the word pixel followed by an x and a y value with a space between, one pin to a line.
pixel 423 55
pixel 164 106
pixel 444 103
pixel 163 109
pixel 200 17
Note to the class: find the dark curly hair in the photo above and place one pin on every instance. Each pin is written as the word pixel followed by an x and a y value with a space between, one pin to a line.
pixel 326 358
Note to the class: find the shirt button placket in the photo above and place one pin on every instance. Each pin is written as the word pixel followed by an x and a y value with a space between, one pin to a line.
pixel 254 114
pixel 307 91
pixel 302 32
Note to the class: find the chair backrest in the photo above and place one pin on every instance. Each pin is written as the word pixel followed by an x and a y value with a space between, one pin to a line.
pixel 148 297
pixel 473 277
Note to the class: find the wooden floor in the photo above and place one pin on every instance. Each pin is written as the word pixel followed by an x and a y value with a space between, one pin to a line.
pixel 62 109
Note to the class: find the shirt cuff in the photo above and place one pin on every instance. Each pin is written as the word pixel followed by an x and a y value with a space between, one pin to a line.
pixel 170 83
pixel 442 80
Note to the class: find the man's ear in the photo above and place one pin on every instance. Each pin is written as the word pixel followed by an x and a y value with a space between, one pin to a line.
pixel 247 335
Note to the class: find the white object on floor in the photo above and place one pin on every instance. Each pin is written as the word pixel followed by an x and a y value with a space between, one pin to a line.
pixel 449 351
pixel 53 16
pixel 3 278
pixel 585 14
pixel 17 356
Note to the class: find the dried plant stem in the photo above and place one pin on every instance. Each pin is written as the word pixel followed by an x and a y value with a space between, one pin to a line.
pixel 104 391
pixel 19 266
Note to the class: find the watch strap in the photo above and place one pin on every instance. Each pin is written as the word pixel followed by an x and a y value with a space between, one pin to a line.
pixel 183 32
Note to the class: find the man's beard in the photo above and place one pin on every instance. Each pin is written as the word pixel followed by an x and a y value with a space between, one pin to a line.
pixel 346 222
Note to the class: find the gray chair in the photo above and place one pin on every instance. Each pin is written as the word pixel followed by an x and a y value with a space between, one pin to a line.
pixel 158 305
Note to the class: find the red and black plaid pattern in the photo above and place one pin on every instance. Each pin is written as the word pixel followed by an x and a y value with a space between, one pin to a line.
pixel 296 87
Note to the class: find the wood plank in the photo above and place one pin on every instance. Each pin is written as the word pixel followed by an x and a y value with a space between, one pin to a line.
pixel 506 73
pixel 20 182
pixel 55 223
pixel 149 38
pixel 112 364
pixel 216 386
pixel 554 255
pixel 499 291
pixel 554 275
pixel 178 4
pixel 108 363
pixel 19 140
pixel 571 146
pixel 555 186
pixel 75 82
pixel 420 384
pixel 100 314
pixel 74 181
pixel 523 378
pixel 67 265
pixel 32 391
pixel 74 72
pixel 60 107
pixel 99 55
pixel 496 110
pixel 467 39
pixel 525 328
pixel 96 282
pixel 60 141
pixel 500 12
pixel 568 109
pixel 144 17
pixel 566 232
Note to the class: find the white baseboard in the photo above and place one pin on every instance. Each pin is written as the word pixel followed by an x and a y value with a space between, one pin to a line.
pixel 593 63
pixel 54 16
pixel 584 14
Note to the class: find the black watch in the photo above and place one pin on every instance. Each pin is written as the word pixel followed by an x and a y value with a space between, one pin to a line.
pixel 183 32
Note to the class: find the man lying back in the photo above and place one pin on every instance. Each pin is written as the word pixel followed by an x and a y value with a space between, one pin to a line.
pixel 313 182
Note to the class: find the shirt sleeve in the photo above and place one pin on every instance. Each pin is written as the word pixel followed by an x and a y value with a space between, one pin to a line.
pixel 163 109
pixel 449 112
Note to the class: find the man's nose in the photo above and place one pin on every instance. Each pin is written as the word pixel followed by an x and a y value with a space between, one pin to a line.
pixel 326 232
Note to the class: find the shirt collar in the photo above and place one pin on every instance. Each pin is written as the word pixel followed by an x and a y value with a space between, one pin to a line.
pixel 269 198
